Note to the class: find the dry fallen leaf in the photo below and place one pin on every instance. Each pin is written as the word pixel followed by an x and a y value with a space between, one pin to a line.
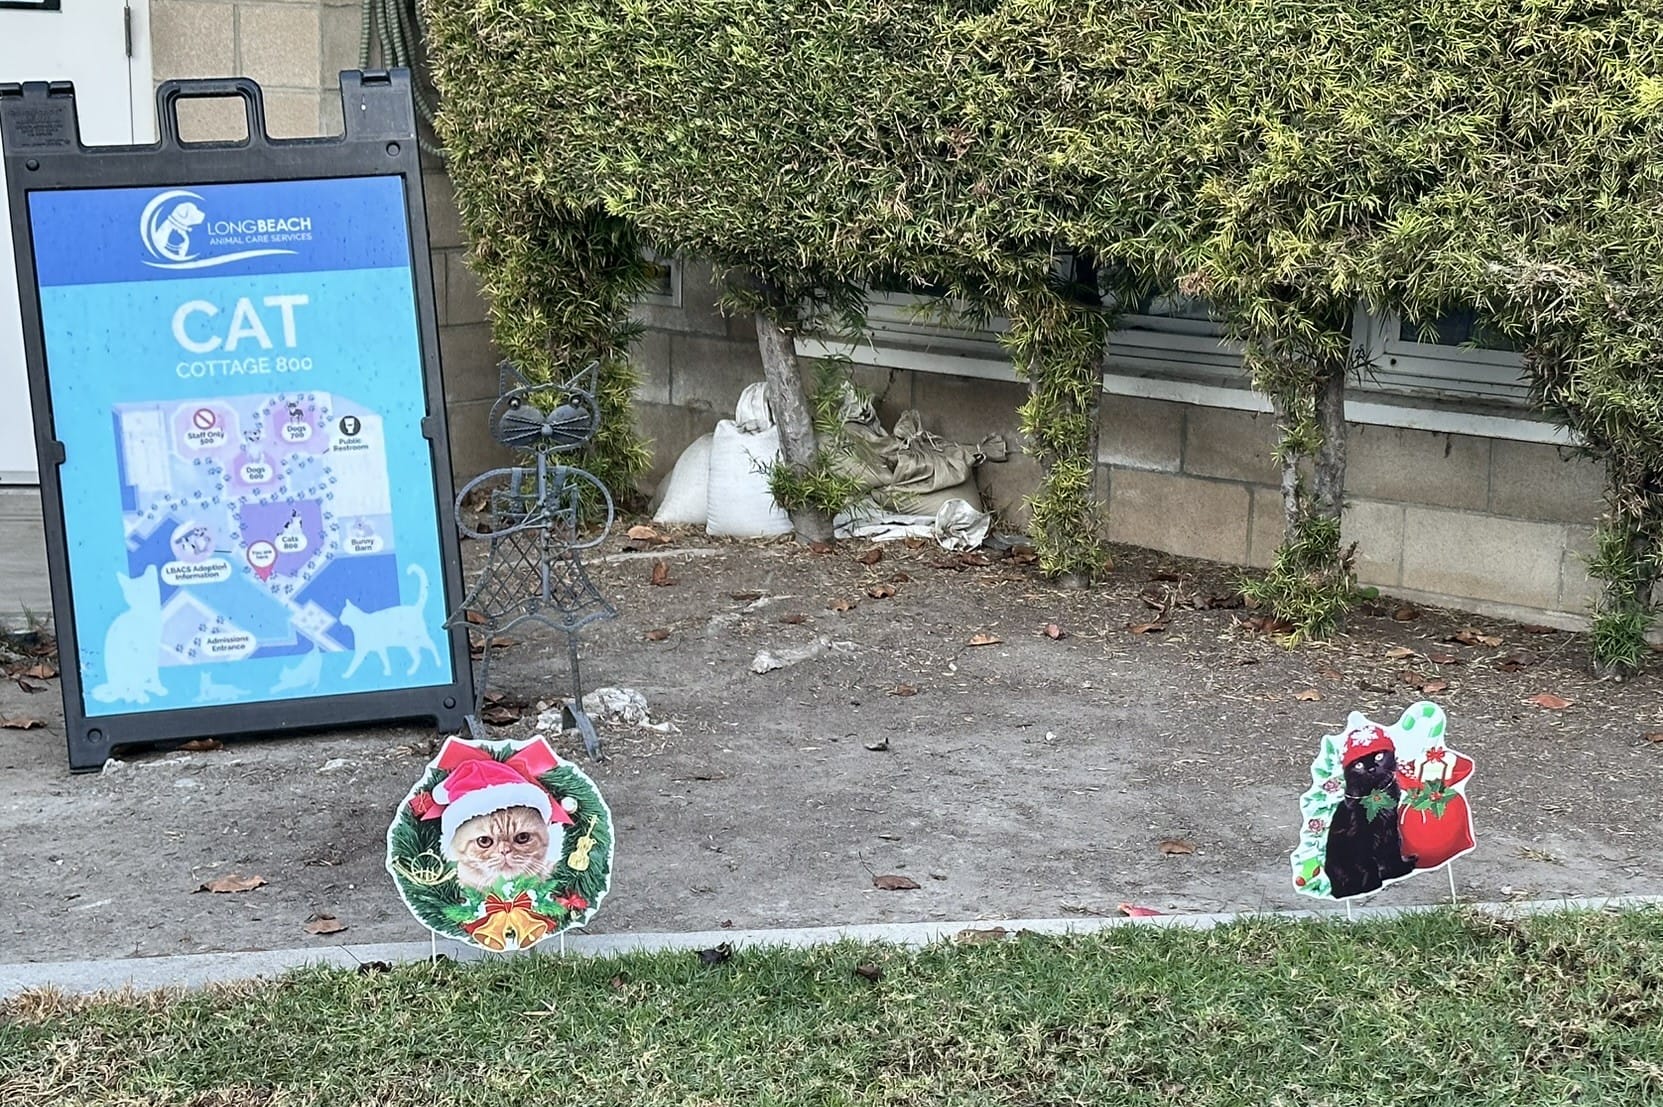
pixel 1445 659
pixel 32 686
pixel 1176 847
pixel 899 578
pixel 794 618
pixel 744 597
pixel 474 617
pixel 1330 674
pixel 868 971
pixel 894 882
pixel 881 591
pixel 1536 628
pixel 9 723
pixel 231 882
pixel 1406 613
pixel 1472 636
pixel 499 714
pixel 1134 911
pixel 1055 632
pixel 324 924
pixel 1654 736
pixel 871 556
pixel 1412 678
pixel 660 574
pixel 1309 695
pixel 1433 687
pixel 841 605
pixel 43 670
pixel 1398 653
pixel 821 547
pixel 202 745
pixel 985 640
pixel 1146 628
pixel 657 634
pixel 1550 702
pixel 1513 662
pixel 904 690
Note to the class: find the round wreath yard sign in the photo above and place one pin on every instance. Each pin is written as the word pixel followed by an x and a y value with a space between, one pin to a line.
pixel 501 844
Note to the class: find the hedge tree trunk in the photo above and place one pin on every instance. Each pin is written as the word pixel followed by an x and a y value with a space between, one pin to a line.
pixel 1311 581
pixel 798 444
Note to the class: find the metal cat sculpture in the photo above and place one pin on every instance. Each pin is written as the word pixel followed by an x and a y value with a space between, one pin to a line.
pixel 536 520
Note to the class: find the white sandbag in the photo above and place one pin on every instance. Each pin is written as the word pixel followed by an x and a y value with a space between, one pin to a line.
pixel 685 492
pixel 739 502
pixel 751 414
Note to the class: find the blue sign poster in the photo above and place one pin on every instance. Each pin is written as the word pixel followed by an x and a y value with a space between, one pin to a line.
pixel 235 374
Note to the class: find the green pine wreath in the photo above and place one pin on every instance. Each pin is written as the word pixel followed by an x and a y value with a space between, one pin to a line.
pixel 426 879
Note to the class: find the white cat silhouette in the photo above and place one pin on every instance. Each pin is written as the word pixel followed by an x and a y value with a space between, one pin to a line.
pixel 209 691
pixel 302 674
pixel 403 626
pixel 132 644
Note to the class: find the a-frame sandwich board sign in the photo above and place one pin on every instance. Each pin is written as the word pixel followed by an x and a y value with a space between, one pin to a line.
pixel 233 358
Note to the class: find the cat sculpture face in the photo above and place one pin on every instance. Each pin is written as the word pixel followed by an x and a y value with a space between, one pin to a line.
pixel 1376 772
pixel 506 843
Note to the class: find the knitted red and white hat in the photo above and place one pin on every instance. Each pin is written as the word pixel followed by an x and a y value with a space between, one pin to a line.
pixel 1365 742
pixel 480 787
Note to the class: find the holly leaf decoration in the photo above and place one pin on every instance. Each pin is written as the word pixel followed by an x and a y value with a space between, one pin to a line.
pixel 1433 797
pixel 1377 803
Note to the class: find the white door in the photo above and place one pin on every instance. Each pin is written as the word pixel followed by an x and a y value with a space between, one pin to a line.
pixel 104 47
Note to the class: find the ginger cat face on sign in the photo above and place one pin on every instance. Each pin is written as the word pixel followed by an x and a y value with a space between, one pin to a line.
pixel 506 843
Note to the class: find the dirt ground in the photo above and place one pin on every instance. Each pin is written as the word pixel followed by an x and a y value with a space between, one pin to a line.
pixel 1031 776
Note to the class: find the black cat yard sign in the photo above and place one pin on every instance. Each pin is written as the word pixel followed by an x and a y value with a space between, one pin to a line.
pixel 1385 803
pixel 501 844
pixel 233 357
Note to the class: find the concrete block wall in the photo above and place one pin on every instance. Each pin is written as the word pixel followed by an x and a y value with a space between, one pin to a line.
pixel 1482 524
pixel 296 50
pixel 1479 523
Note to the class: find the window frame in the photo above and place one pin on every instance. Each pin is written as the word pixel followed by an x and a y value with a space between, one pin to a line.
pixel 1416 385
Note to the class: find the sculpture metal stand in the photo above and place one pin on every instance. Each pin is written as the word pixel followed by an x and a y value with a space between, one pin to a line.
pixel 532 516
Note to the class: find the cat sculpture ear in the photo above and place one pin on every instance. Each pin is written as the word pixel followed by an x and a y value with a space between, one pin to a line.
pixel 1356 721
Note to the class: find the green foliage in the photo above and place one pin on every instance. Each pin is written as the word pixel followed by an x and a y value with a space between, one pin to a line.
pixel 824 485
pixel 1312 581
pixel 1282 158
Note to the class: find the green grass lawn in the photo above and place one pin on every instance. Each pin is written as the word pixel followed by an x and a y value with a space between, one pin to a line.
pixel 1425 1009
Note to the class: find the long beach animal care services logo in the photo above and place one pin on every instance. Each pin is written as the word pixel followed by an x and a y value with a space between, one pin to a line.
pixel 179 233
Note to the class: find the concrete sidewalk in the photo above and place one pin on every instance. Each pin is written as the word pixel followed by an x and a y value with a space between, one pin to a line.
pixel 199 970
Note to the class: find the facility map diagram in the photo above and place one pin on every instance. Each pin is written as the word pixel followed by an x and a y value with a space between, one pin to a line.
pixel 264 515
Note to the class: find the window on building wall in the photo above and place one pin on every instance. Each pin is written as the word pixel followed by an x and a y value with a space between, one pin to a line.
pixel 1451 373
pixel 1168 333
pixel 1453 357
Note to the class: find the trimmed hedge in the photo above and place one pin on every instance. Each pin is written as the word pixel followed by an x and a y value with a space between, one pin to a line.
pixel 1283 158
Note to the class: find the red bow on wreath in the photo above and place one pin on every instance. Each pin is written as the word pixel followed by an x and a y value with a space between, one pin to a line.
pixel 505 917
pixel 463 762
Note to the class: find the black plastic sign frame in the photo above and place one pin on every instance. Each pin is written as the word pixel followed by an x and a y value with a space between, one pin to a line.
pixel 233 358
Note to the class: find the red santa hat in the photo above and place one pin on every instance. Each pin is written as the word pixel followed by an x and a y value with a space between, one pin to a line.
pixel 1365 742
pixel 478 784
